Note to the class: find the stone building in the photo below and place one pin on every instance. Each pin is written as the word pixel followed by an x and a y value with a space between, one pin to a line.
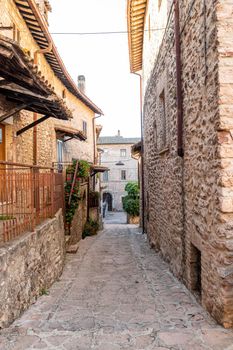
pixel 45 118
pixel 116 156
pixel 183 52
pixel 70 134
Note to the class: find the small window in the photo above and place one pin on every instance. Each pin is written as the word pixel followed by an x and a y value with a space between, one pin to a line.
pixel 64 93
pixel 84 127
pixel 123 152
pixel 161 123
pixel 59 151
pixel 105 176
pixel 195 270
pixel 123 174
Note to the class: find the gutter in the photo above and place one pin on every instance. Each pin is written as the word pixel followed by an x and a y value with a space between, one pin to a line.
pixel 142 156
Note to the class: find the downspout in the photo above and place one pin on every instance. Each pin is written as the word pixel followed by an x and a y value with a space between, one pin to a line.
pixel 94 145
pixel 180 150
pixel 39 51
pixel 142 157
pixel 180 145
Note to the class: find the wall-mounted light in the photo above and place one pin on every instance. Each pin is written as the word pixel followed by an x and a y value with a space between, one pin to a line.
pixel 120 163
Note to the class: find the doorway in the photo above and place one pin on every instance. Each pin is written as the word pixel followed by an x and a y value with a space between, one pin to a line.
pixel 196 284
pixel 108 197
pixel 2 142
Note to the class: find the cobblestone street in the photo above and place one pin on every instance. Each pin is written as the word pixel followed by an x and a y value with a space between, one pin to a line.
pixel 116 293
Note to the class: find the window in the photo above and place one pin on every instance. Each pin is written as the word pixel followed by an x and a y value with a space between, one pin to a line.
pixel 64 93
pixel 195 270
pixel 123 152
pixel 59 151
pixel 123 174
pixel 84 127
pixel 105 176
pixel 161 123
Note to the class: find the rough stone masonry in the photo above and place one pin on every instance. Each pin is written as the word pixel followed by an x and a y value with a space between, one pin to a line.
pixel 189 212
pixel 116 294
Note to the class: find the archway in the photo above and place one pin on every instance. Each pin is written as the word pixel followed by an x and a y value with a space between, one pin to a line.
pixel 108 197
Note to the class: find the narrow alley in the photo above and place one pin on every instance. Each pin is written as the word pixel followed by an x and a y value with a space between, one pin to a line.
pixel 116 293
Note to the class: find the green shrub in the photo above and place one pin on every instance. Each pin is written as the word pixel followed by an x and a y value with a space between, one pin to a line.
pixel 131 201
pixel 91 228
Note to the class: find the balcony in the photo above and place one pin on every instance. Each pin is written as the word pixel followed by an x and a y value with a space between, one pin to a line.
pixel 28 196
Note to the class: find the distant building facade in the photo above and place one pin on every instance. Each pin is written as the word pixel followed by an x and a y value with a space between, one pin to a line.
pixel 116 155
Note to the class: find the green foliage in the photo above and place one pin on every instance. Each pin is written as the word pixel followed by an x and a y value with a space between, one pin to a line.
pixel 82 173
pixel 133 189
pixel 6 217
pixel 131 201
pixel 91 228
pixel 44 291
pixel 94 195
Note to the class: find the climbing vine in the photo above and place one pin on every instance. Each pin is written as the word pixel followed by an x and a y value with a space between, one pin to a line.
pixel 83 172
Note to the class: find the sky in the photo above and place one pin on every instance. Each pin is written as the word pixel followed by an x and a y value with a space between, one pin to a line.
pixel 103 59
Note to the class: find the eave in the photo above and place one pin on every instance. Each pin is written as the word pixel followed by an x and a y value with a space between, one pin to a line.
pixel 70 133
pixel 17 67
pixel 39 30
pixel 135 20
pixel 51 105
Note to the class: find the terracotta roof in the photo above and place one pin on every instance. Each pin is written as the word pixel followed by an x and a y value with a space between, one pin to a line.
pixel 96 168
pixel 135 18
pixel 98 130
pixel 39 30
pixel 16 66
pixel 48 105
pixel 113 140
pixel 136 149
pixel 70 132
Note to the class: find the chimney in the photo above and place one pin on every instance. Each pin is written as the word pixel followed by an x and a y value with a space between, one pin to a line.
pixel 44 7
pixel 118 133
pixel 82 83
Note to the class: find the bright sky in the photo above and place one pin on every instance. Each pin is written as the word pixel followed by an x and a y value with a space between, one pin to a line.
pixel 103 59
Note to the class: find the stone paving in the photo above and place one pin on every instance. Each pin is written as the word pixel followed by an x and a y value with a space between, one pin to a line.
pixel 116 293
pixel 118 217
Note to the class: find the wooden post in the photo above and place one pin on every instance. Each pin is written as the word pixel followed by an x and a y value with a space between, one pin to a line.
pixel 32 209
pixel 52 191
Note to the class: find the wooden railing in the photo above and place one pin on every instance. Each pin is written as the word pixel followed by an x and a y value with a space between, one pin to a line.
pixel 28 195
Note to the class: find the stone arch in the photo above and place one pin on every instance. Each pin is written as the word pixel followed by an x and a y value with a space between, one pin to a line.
pixel 108 197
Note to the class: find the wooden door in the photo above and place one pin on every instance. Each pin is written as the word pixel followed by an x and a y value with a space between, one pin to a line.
pixel 2 142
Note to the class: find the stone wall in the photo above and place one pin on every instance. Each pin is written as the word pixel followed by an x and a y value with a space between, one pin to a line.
pixel 79 219
pixel 29 265
pixel 190 200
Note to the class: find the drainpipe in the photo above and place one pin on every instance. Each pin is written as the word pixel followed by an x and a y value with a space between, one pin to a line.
pixel 142 157
pixel 94 145
pixel 180 146
pixel 39 51
pixel 180 149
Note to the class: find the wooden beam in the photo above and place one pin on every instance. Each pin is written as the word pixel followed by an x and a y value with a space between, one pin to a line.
pixel 13 111
pixel 31 125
